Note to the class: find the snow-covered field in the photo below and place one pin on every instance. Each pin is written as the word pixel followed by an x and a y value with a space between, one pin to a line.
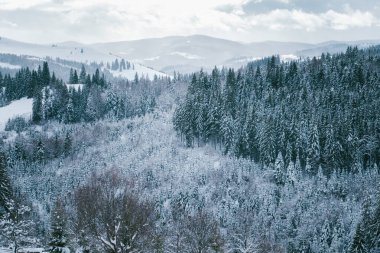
pixel 9 66
pixel 73 52
pixel 141 71
pixel 22 107
pixel 289 57
pixel 187 55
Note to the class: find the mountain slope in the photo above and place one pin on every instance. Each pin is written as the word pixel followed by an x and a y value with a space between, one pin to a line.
pixel 190 53
pixel 185 54
pixel 69 51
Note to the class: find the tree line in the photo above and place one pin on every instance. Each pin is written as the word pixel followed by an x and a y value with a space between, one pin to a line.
pixel 91 99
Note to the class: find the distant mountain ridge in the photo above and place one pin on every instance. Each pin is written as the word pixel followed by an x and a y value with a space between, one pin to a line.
pixel 71 51
pixel 190 53
pixel 179 53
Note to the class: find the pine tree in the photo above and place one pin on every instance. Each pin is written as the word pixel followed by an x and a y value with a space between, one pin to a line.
pixel 314 148
pixel 82 75
pixel 229 94
pixel 5 190
pixel 70 112
pixel 58 235
pixel 45 78
pixel 358 244
pixel 96 78
pixel 71 77
pixel 337 244
pixel 228 132
pixel 325 238
pixel 363 239
pixel 40 152
pixel 75 77
pixel 67 145
pixel 292 174
pixel 37 114
pixel 136 79
pixel 374 227
pixel 92 106
pixel 15 227
pixel 279 167
pixel 116 65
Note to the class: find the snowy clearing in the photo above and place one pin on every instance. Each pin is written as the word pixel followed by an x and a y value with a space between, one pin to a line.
pixel 141 71
pixel 9 66
pixel 288 57
pixel 187 55
pixel 22 107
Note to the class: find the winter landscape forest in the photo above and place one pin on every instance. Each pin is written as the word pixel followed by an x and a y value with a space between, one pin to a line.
pixel 190 143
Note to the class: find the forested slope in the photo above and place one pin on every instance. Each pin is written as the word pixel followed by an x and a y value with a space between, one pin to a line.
pixel 323 112
pixel 247 170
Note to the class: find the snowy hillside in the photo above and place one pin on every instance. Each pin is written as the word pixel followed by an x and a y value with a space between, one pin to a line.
pixel 190 53
pixel 185 54
pixel 9 66
pixel 70 51
pixel 140 70
pixel 22 107
pixel 74 52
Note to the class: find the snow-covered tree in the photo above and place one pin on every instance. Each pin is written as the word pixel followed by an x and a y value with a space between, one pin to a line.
pixel 58 233
pixel 5 190
pixel 116 220
pixel 15 226
pixel 279 168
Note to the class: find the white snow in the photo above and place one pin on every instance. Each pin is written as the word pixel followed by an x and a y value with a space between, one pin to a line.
pixel 247 59
pixel 288 57
pixel 141 70
pixel 34 250
pixel 22 107
pixel 75 86
pixel 9 66
pixel 187 55
pixel 216 165
pixel 5 250
pixel 152 58
pixel 64 51
pixel 75 52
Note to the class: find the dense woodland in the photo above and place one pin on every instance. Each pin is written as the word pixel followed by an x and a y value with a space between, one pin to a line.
pixel 324 112
pixel 93 99
pixel 274 157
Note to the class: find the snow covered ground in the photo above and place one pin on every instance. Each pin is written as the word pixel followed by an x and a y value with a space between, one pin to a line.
pixel 22 107
pixel 187 55
pixel 70 51
pixel 141 70
pixel 289 57
pixel 9 66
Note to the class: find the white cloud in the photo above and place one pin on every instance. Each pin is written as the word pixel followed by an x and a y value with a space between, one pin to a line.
pixel 280 19
pixel 344 21
pixel 102 20
pixel 21 4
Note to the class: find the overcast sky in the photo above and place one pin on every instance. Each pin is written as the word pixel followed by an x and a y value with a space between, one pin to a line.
pixel 88 21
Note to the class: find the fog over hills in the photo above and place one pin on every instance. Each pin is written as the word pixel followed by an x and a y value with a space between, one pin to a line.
pixel 184 54
pixel 189 53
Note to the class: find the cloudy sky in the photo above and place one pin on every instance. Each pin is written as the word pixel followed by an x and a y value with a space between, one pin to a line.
pixel 90 21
